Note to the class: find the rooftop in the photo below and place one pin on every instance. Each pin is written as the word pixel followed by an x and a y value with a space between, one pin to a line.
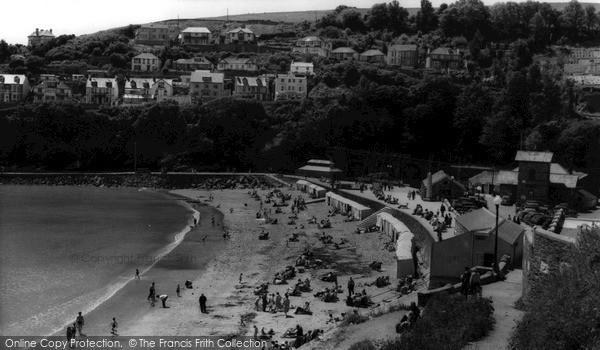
pixel 240 29
pixel 196 30
pixel 10 78
pixel 207 76
pixel 444 51
pixel 154 25
pixel 42 32
pixel 528 156
pixel 372 53
pixel 343 50
pixel 250 81
pixel 303 64
pixel 484 221
pixel 146 55
pixel 231 60
pixel 310 38
pixel 403 48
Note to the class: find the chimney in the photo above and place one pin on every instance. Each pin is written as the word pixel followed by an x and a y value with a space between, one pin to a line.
pixel 37 31
pixel 429 187
pixel 50 30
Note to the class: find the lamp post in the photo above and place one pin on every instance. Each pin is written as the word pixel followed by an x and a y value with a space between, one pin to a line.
pixel 497 202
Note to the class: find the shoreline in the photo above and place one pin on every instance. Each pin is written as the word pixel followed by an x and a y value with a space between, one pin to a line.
pixel 124 302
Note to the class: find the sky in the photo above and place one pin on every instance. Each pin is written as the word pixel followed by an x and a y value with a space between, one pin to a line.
pixel 78 17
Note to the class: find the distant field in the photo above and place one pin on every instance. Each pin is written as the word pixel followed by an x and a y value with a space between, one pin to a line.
pixel 288 18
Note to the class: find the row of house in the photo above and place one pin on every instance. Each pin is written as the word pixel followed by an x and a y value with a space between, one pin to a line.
pixel 403 56
pixel 208 85
pixel 202 83
pixel 147 62
pixel 159 35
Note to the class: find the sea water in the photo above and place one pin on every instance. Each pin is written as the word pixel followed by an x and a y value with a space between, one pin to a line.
pixel 67 249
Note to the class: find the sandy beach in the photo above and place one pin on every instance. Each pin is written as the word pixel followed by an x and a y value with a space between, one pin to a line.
pixel 258 261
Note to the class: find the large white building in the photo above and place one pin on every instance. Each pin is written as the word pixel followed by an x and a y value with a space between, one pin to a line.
pixel 145 62
pixel 101 91
pixel 290 87
pixel 302 68
pixel 13 87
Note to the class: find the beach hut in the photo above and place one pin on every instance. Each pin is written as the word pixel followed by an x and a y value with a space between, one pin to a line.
pixel 388 224
pixel 316 191
pixel 302 185
pixel 345 205
pixel 404 256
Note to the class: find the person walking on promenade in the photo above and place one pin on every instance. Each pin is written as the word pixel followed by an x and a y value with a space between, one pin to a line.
pixel 80 323
pixel 137 274
pixel 178 291
pixel 351 286
pixel 203 304
pixel 241 274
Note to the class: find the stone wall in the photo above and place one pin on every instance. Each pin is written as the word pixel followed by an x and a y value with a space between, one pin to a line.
pixel 543 251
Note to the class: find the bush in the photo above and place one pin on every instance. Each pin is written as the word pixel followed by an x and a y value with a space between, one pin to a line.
pixel 449 322
pixel 366 344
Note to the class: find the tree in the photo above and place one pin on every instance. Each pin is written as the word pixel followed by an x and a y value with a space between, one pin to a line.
pixel 353 20
pixel 472 109
pixel 573 19
pixel 426 19
pixel 378 17
pixel 464 18
pixel 398 17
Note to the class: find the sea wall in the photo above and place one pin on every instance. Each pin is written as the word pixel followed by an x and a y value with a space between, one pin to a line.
pixel 150 180
pixel 543 251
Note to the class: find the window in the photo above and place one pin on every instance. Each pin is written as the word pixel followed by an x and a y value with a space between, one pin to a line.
pixel 283 80
pixel 215 86
pixel 206 86
pixel 283 88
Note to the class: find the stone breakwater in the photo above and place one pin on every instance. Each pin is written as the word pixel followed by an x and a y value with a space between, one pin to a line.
pixel 165 181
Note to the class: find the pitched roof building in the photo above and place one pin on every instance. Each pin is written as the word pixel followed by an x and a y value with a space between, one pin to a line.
pixel 232 63
pixel 40 37
pixel 403 56
pixel 145 62
pixel 207 86
pixel 51 90
pixel 195 36
pixel 252 87
pixel 240 35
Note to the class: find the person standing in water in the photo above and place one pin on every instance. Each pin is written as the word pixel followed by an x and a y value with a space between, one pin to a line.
pixel 137 274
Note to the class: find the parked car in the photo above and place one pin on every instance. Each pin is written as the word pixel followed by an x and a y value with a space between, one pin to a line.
pixel 506 200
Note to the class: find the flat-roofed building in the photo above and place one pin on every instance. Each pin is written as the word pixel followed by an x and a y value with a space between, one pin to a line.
pixel 152 34
pixel 290 87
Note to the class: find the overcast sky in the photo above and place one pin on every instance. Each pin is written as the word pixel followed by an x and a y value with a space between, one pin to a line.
pixel 22 17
